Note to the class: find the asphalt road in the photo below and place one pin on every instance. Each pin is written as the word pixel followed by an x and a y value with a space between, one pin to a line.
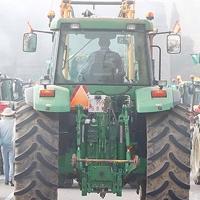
pixel 6 193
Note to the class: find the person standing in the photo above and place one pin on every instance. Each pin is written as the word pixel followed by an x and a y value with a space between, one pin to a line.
pixel 7 132
pixel 104 56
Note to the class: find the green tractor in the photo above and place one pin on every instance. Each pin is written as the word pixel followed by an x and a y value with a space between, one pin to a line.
pixel 190 92
pixel 11 92
pixel 194 95
pixel 190 97
pixel 101 117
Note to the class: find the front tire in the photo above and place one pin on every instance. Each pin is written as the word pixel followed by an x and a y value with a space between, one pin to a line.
pixel 36 154
pixel 168 155
pixel 66 183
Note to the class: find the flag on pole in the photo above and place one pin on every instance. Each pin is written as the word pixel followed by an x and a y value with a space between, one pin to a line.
pixel 30 28
pixel 177 27
pixel 195 58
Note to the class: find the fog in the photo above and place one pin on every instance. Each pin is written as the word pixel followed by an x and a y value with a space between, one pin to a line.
pixel 15 14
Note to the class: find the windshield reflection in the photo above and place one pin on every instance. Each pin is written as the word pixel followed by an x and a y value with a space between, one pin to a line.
pixel 91 57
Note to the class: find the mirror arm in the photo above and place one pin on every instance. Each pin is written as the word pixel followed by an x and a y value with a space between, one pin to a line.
pixel 48 32
pixel 164 32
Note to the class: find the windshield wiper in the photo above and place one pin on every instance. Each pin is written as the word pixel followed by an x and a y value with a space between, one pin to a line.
pixel 78 51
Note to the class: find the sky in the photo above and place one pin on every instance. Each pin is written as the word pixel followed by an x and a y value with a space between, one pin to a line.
pixel 189 18
pixel 15 14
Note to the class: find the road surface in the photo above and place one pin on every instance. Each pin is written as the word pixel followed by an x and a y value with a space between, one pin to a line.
pixel 6 193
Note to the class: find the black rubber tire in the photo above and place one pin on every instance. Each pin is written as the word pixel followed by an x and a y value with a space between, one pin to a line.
pixel 36 155
pixel 67 184
pixel 168 155
pixel 133 185
pixel 195 155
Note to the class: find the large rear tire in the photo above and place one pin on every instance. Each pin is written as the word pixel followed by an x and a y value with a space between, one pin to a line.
pixel 168 155
pixel 195 156
pixel 36 155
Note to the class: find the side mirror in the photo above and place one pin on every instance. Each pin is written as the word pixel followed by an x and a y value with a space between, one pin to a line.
pixel 29 42
pixel 173 44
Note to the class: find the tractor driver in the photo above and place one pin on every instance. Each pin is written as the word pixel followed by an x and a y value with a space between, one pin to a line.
pixel 107 58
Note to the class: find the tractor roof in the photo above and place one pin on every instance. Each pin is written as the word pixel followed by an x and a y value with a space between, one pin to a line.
pixel 102 23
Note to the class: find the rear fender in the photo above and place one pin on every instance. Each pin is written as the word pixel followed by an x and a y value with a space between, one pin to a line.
pixel 59 103
pixel 145 103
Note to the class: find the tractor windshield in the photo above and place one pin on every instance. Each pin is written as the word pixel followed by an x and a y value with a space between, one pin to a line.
pixel 102 57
